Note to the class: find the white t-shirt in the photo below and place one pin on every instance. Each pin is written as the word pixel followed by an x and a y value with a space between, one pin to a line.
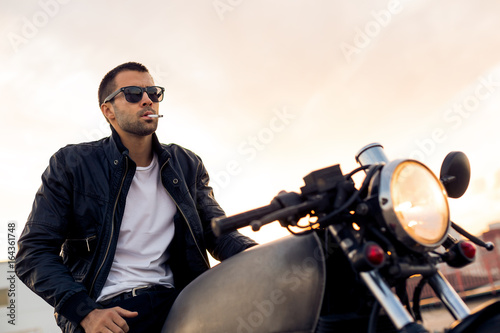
pixel 146 231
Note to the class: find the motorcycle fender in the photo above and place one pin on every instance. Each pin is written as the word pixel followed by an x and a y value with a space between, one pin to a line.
pixel 275 287
pixel 484 319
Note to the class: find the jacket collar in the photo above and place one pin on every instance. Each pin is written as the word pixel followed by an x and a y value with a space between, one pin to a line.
pixel 160 150
pixel 116 151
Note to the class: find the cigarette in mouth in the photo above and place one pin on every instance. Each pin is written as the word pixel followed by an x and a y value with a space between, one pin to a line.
pixel 155 115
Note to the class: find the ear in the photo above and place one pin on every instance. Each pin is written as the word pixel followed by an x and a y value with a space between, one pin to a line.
pixel 108 111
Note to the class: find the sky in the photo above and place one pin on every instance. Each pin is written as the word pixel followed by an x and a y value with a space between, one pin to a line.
pixel 264 91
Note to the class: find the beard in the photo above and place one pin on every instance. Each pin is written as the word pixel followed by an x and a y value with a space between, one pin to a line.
pixel 131 124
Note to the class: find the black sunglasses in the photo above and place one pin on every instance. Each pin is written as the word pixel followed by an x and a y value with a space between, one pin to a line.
pixel 133 94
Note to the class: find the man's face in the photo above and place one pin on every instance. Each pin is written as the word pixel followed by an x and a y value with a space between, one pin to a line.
pixel 132 117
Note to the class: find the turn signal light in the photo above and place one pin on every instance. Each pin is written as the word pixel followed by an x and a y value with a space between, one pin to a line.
pixel 460 254
pixel 468 249
pixel 368 257
pixel 374 254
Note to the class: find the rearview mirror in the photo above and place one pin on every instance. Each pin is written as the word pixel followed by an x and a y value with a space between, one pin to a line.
pixel 455 174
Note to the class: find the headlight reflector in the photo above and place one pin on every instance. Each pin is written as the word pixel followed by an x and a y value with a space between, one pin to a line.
pixel 414 204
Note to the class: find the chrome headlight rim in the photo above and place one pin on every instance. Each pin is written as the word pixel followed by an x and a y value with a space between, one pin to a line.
pixel 389 214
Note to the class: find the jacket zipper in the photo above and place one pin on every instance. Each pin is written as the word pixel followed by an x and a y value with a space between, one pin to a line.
pixel 184 216
pixel 112 226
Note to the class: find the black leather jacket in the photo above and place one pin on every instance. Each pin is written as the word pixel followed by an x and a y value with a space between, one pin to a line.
pixel 67 246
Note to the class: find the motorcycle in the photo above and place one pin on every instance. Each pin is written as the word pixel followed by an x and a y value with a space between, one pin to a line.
pixel 346 268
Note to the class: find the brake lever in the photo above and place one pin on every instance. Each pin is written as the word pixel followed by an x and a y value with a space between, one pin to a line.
pixel 479 242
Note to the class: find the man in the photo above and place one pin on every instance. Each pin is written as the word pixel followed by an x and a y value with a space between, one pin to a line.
pixel 119 226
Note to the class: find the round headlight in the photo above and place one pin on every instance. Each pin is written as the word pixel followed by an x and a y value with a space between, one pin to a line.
pixel 414 204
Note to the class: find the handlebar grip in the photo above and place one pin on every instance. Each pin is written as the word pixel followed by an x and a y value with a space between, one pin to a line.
pixel 221 225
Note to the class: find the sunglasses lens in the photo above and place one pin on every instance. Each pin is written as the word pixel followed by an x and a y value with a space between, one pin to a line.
pixel 155 94
pixel 133 94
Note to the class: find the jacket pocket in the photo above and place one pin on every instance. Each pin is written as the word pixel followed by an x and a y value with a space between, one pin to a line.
pixel 77 255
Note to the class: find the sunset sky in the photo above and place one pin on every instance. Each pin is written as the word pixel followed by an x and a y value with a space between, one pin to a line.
pixel 264 91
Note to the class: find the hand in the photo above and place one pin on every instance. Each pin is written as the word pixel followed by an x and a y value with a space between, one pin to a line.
pixel 107 320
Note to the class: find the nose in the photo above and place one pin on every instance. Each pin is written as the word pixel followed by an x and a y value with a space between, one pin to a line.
pixel 145 101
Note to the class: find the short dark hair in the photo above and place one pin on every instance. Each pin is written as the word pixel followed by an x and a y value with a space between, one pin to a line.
pixel 108 86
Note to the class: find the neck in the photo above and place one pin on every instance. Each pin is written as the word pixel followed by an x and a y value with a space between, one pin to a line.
pixel 140 148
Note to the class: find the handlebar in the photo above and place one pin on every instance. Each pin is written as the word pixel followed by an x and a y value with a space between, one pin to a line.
pixel 283 205
pixel 224 224
pixel 319 185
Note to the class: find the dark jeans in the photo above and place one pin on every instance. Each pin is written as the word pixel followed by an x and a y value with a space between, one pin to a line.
pixel 153 307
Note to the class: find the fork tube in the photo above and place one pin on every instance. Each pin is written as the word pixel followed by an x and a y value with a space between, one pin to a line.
pixel 449 296
pixel 392 306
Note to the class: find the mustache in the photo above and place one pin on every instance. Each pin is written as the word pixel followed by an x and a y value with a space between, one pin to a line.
pixel 146 109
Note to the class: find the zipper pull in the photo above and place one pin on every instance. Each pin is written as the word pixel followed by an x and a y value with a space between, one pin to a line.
pixel 88 246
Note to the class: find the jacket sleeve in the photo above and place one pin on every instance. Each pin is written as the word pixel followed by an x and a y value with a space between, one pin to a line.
pixel 38 263
pixel 226 245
